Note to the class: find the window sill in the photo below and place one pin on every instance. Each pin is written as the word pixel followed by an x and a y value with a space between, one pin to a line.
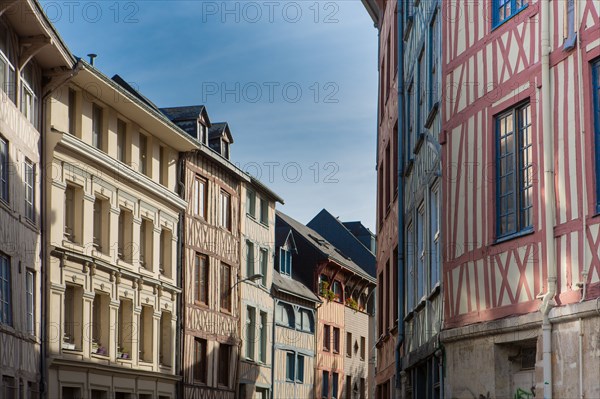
pixel 5 205
pixel 30 223
pixel 264 224
pixel 505 20
pixel 436 289
pixel 512 236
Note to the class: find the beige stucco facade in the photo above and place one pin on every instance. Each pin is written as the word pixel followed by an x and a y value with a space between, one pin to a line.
pixel 113 221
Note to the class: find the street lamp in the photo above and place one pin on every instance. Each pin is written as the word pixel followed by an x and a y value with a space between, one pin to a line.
pixel 254 277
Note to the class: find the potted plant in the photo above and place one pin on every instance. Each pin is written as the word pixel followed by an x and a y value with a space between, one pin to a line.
pixel 326 292
pixel 351 302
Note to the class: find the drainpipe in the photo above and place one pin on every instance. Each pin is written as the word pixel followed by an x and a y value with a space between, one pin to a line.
pixel 400 263
pixel 581 395
pixel 180 337
pixel 549 195
pixel 43 226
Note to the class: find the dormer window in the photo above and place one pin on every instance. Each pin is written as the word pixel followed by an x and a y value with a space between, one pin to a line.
pixel 202 133
pixel 225 149
pixel 285 262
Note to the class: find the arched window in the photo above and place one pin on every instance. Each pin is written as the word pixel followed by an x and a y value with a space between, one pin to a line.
pixel 306 321
pixel 338 291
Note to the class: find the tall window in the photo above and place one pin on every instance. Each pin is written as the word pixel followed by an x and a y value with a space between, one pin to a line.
pixel 146 244
pixel 410 268
pixel 251 203
pixel 201 279
pixel 348 344
pixel 285 262
pixel 514 168
pixel 262 334
pixel 325 385
pixel 72 112
pixel 5 291
pixel 163 176
pixel 29 190
pixel 264 265
pixel 146 334
pixel 410 111
pixel 73 318
pixel 300 369
pixel 434 252
pixel 338 292
pixel 394 282
pixel 7 70
pixel 225 209
pixel 124 249
pixel 306 321
pixel 380 314
pixel 249 258
pixel 334 385
pixel 250 338
pixel 4 165
pixel 224 362
pixel 395 158
pixel 388 174
pixel 126 328
pixel 596 111
pixel 73 213
pixel 326 337
pixel 422 94
pixel 348 387
pixel 200 354
pixel 264 211
pixel 284 315
pixel 290 366
pixel 165 343
pixel 503 10
pixel 434 38
pixel 30 301
pixel 101 320
pixel 101 221
pixel 336 340
pixel 97 126
pixel 121 140
pixel 143 155
pixel 362 348
pixel 420 252
pixel 225 287
pixel 29 100
pixel 166 246
pixel 199 197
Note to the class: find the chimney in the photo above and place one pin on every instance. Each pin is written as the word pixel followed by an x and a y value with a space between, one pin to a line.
pixel 92 58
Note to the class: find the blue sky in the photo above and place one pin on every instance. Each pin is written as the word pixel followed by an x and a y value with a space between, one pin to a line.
pixel 297 82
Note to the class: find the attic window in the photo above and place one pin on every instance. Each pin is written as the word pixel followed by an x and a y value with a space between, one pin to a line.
pixel 202 136
pixel 225 149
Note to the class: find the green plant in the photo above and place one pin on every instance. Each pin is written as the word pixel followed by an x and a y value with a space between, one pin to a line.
pixel 351 302
pixel 326 292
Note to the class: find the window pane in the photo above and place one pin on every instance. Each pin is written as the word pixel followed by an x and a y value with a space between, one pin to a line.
pixel 300 369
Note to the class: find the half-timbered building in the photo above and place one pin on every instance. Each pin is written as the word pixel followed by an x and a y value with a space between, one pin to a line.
pixel 340 283
pixel 520 137
pixel 33 61
pixel 112 214
pixel 256 317
pixel 211 262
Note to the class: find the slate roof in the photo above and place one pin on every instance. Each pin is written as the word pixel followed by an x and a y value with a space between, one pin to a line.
pixel 293 287
pixel 121 82
pixel 217 130
pixel 327 249
pixel 186 113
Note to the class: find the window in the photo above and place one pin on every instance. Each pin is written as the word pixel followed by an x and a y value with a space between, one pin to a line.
pixel 73 317
pixel 202 136
pixel 338 292
pixel 126 328
pixel 306 322
pixel 4 165
pixel 362 348
pixel 503 10
pixel 121 141
pixel 225 149
pixel 201 279
pixel 10 387
pixel 514 171
pixel 290 366
pixel 97 126
pixel 100 320
pixel 166 249
pixel 380 314
pixel 410 111
pixel 434 252
pixel 434 38
pixel 7 70
pixel 395 159
pixel 29 101
pixel 30 301
pixel 596 112
pixel 72 111
pixel 163 177
pixel 146 244
pixel 264 211
pixel 285 262
pixel 363 388
pixel 349 344
pixel 410 268
pixel 284 315
pixel 336 340
pixel 326 337
pixel 225 287
pixel 251 203
pixel 143 155
pixel 380 198
pixel 387 177
pixel 249 258
pixel 394 282
pixel 146 334
pixel 73 212
pixel 5 291
pixel 250 332
pixel 334 385
pixel 199 199
pixel 420 252
pixel 125 247
pixel 300 369
pixel 225 220
pixel 264 265
pixel 325 385
pixel 29 190
pixel 200 354
pixel 422 94
pixel 165 343
pixel 386 304
pixel 348 387
pixel 262 333
pixel 224 361
pixel 101 228
pixel 71 393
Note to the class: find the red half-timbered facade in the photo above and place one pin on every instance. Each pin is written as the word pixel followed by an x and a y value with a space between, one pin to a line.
pixel 520 218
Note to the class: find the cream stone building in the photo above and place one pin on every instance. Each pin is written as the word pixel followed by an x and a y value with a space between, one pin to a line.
pixel 32 60
pixel 113 217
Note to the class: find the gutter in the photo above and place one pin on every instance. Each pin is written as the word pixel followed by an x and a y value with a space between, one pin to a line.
pixel 401 123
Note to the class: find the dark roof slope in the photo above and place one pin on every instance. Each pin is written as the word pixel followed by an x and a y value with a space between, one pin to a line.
pixel 218 129
pixel 326 248
pixel 186 117
pixel 292 287
pixel 121 82
pixel 335 232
